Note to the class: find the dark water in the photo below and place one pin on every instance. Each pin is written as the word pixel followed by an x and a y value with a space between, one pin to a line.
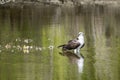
pixel 29 37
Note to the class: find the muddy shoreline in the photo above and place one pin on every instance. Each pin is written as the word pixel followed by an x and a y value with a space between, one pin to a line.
pixel 82 3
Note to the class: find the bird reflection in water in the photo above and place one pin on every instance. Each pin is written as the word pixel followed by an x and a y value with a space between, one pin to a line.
pixel 73 58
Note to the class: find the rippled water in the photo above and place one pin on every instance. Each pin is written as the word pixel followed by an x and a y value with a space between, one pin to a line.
pixel 29 36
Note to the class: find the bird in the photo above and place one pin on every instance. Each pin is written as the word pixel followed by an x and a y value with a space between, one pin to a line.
pixel 74 44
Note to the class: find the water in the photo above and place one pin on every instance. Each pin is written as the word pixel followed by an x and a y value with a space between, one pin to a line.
pixel 29 36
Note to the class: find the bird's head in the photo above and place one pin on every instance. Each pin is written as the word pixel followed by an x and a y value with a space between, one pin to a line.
pixel 80 34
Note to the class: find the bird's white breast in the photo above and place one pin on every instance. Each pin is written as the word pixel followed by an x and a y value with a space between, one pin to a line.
pixel 81 39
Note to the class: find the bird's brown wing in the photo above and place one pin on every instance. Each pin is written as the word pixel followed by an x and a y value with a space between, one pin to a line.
pixel 72 44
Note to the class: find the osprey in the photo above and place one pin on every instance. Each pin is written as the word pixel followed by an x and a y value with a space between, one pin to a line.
pixel 75 44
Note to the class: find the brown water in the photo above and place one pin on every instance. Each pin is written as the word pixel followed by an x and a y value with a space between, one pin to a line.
pixel 29 37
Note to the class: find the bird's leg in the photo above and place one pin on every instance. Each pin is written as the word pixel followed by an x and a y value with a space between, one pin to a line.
pixel 78 51
pixel 75 51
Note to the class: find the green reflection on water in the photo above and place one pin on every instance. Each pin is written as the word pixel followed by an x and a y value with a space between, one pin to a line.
pixel 29 37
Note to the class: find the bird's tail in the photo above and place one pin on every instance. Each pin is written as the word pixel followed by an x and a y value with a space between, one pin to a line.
pixel 61 46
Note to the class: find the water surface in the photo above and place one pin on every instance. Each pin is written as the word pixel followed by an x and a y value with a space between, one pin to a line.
pixel 29 36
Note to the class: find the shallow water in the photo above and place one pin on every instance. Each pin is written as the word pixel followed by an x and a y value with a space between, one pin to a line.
pixel 29 37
